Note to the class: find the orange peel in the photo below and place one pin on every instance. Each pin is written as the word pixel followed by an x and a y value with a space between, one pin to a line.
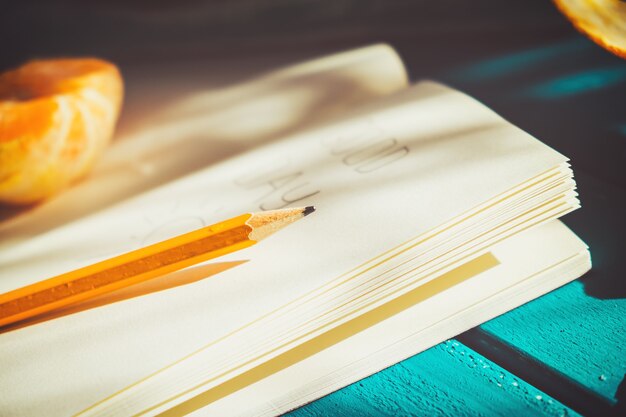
pixel 604 21
pixel 56 118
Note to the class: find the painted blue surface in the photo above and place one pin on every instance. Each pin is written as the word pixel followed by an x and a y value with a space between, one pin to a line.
pixel 580 82
pixel 580 336
pixel 517 62
pixel 448 379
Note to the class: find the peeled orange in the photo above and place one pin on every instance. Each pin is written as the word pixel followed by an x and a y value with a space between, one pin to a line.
pixel 604 21
pixel 56 117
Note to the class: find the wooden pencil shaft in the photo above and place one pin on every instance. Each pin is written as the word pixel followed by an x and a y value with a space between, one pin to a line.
pixel 145 263
pixel 127 269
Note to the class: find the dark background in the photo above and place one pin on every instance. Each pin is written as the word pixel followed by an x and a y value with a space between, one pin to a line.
pixel 522 58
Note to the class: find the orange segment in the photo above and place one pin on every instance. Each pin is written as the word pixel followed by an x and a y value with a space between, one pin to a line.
pixel 604 21
pixel 56 117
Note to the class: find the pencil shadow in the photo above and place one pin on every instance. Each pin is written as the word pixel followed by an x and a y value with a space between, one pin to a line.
pixel 165 282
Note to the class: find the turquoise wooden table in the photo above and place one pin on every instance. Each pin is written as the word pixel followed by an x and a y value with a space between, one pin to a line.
pixel 560 355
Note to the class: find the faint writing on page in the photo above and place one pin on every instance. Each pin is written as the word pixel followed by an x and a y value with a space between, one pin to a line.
pixel 364 149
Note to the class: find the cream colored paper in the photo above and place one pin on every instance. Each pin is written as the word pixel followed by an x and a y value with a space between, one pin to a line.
pixel 382 176
pixel 163 140
pixel 531 263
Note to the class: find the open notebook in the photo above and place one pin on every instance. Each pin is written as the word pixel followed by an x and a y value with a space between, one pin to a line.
pixel 433 215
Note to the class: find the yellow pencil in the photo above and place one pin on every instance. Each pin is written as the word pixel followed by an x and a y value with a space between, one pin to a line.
pixel 145 263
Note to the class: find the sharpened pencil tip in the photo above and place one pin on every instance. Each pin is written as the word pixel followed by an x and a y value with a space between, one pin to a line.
pixel 308 210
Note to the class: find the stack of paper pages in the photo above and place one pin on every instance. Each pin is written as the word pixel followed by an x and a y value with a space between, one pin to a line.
pixel 433 215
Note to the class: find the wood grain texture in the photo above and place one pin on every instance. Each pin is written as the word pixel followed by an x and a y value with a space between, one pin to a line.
pixel 446 380
pixel 572 332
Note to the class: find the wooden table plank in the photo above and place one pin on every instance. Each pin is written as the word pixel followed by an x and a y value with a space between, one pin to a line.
pixel 576 334
pixel 448 379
